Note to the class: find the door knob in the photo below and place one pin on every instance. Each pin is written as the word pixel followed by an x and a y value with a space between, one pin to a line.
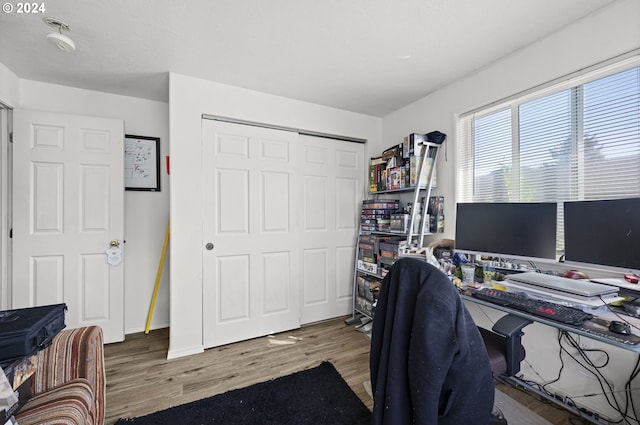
pixel 209 246
pixel 114 253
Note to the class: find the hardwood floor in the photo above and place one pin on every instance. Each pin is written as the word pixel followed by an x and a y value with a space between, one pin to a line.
pixel 140 380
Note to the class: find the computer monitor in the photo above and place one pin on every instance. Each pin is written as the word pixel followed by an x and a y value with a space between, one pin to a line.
pixel 523 230
pixel 603 232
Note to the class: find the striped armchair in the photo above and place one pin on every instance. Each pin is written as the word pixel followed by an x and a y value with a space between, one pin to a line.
pixel 69 384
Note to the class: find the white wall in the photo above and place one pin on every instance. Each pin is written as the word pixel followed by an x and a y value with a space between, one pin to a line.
pixel 146 213
pixel 608 33
pixel 189 98
pixel 8 86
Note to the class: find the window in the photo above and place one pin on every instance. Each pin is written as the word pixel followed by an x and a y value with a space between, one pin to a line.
pixel 578 141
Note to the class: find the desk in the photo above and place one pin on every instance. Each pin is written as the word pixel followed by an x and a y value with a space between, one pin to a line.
pixel 587 329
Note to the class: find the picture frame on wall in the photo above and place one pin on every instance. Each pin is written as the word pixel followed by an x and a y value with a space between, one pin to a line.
pixel 141 163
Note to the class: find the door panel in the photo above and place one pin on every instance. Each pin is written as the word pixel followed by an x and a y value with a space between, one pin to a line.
pixel 249 194
pixel 47 283
pixel 95 285
pixel 94 198
pixel 275 202
pixel 46 198
pixel 315 277
pixel 344 273
pixel 333 177
pixel 233 296
pixel 68 195
pixel 233 202
pixel 277 284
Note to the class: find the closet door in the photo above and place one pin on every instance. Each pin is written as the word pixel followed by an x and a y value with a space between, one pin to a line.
pixel 332 176
pixel 251 252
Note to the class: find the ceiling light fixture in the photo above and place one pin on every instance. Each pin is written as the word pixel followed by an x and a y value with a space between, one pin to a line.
pixel 58 39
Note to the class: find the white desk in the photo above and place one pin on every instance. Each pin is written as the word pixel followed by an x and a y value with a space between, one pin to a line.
pixel 587 329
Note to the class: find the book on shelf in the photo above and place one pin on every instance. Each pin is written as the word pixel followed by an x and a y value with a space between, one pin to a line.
pixel 400 222
pixel 388 216
pixel 402 174
pixel 366 294
pixel 435 210
pixel 368 267
pixel 411 144
pixel 376 214
pixel 393 155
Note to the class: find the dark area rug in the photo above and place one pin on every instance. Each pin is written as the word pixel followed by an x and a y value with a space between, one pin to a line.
pixel 315 396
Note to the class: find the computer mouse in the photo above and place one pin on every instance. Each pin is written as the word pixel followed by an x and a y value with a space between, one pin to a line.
pixel 618 327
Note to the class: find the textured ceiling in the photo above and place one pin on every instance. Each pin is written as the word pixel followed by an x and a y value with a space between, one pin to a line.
pixel 367 56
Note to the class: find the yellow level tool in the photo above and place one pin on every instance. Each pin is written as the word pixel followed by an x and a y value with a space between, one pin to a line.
pixel 158 276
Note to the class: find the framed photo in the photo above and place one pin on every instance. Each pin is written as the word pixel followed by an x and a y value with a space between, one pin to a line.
pixel 141 163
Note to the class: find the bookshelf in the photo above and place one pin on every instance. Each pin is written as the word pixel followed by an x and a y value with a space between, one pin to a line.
pixel 392 222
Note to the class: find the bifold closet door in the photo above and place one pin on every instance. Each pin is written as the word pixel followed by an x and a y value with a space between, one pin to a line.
pixel 251 252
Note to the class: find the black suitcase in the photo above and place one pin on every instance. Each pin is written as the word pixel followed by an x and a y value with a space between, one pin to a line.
pixel 24 331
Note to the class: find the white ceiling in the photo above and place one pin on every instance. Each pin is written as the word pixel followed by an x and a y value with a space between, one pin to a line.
pixel 368 56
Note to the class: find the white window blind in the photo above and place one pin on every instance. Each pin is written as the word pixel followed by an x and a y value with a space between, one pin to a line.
pixel 575 142
pixel 579 143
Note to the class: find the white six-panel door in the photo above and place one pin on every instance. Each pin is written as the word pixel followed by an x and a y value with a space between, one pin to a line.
pixel 280 215
pixel 251 270
pixel 68 197
pixel 332 179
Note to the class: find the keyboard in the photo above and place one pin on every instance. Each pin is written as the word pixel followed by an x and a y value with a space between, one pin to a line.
pixel 546 309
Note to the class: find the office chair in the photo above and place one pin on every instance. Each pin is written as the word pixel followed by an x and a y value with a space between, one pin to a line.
pixel 504 345
pixel 428 361
pixel 504 348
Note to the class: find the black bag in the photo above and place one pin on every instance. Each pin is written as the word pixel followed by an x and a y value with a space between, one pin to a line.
pixel 436 137
pixel 25 331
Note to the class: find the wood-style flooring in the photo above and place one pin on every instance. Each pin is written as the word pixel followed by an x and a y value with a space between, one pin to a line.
pixel 140 379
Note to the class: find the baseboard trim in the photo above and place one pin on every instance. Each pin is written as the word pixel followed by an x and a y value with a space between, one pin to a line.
pixel 174 354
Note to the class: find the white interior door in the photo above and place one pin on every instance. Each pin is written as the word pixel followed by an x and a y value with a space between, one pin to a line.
pixel 333 186
pixel 67 204
pixel 251 271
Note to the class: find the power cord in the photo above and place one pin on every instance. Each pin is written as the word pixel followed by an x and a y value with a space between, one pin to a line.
pixel 627 386
pixel 588 364
pixel 594 370
pixel 542 388
pixel 617 314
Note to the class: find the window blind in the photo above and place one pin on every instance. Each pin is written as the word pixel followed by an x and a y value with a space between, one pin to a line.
pixel 577 142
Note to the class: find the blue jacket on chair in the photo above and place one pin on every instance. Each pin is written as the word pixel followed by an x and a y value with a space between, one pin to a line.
pixel 429 365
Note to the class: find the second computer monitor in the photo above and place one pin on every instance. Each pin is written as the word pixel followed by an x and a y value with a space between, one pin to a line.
pixel 603 232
